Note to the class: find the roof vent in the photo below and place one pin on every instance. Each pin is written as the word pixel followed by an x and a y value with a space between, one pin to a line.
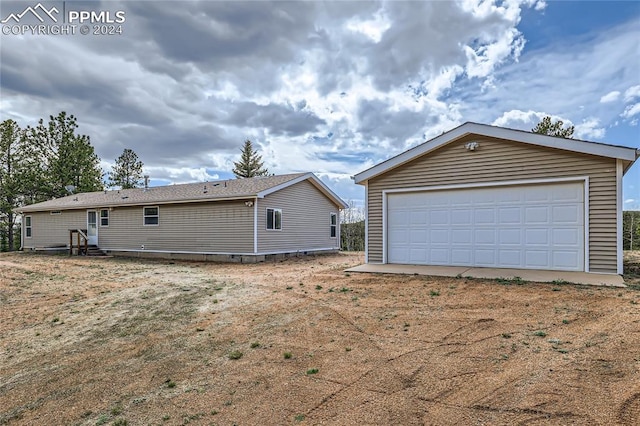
pixel 205 189
pixel 146 182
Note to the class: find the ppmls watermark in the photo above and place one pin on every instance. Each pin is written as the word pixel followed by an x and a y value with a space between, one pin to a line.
pixel 57 19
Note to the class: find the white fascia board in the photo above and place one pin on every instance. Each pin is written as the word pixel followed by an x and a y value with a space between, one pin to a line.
pixel 585 147
pixel 35 208
pixel 315 181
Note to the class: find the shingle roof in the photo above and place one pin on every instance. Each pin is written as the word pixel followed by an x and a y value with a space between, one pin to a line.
pixel 181 193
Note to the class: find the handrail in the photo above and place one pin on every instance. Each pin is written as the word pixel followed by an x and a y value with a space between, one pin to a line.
pixel 81 233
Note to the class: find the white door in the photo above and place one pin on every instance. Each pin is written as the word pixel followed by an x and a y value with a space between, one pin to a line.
pixel 533 226
pixel 92 227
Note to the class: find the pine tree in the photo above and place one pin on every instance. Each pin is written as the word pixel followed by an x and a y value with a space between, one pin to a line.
pixel 546 127
pixel 127 171
pixel 250 164
pixel 12 178
pixel 59 158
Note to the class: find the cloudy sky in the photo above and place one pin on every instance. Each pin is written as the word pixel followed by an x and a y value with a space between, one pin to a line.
pixel 329 87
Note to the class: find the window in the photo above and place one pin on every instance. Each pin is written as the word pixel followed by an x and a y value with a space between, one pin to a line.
pixel 104 217
pixel 27 226
pixel 274 219
pixel 151 215
pixel 334 225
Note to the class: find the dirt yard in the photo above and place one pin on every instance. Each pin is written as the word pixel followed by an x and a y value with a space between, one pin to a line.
pixel 129 342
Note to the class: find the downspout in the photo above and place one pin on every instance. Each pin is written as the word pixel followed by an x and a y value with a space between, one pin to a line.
pixel 619 253
pixel 21 231
pixel 255 226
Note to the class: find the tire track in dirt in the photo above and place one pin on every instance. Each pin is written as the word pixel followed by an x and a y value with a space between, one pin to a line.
pixel 629 411
pixel 387 361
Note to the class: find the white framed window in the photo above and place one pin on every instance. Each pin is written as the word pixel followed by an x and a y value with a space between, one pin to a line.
pixel 27 227
pixel 333 225
pixel 151 216
pixel 104 218
pixel 274 219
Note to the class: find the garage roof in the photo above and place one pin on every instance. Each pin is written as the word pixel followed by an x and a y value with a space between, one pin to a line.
pixel 628 155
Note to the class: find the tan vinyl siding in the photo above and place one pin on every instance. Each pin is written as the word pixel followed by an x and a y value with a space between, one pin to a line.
pixel 214 227
pixel 500 160
pixel 49 230
pixel 306 220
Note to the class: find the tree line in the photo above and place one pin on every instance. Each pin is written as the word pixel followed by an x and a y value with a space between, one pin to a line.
pixel 50 160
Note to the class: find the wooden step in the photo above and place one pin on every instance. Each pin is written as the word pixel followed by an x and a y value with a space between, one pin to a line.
pixel 94 250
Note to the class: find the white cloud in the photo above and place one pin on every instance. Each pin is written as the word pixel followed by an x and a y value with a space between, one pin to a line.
pixel 372 28
pixel 631 110
pixel 525 120
pixel 610 97
pixel 589 129
pixel 631 93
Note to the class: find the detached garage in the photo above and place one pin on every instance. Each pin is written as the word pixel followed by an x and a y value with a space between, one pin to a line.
pixel 484 196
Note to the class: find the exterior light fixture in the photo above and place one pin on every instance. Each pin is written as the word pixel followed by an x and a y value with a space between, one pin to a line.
pixel 472 146
pixel 248 203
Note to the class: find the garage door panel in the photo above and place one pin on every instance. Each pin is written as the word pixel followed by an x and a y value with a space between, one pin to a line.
pixel 418 255
pixel 461 217
pixel 462 236
pixel 439 236
pixel 484 216
pixel 567 236
pixel 439 217
pixel 418 236
pixel 509 196
pixel 485 237
pixel 418 217
pixel 461 256
pixel 536 226
pixel 565 259
pixel 509 215
pixel 537 195
pixel 566 214
pixel 439 255
pixel 509 258
pixel 536 258
pixel 510 236
pixel 537 236
pixel 485 257
pixel 538 215
pixel 567 193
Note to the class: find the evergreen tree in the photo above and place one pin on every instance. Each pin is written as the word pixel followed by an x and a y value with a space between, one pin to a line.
pixel 60 158
pixel 11 179
pixel 250 164
pixel 127 171
pixel 556 128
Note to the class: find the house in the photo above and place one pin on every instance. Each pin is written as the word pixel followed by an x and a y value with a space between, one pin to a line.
pixel 237 219
pixel 485 196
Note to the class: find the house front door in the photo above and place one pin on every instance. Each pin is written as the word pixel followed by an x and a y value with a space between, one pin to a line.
pixel 92 227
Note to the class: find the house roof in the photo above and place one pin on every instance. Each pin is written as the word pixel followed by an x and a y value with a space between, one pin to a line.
pixel 231 189
pixel 628 155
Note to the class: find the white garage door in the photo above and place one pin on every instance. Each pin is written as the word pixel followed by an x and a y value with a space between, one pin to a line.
pixel 533 226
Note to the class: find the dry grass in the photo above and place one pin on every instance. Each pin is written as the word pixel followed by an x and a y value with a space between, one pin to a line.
pixel 104 341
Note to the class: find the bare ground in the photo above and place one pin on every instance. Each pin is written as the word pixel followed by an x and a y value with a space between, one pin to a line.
pixel 117 341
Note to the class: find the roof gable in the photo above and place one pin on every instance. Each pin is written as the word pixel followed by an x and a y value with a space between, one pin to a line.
pixel 626 154
pixel 231 189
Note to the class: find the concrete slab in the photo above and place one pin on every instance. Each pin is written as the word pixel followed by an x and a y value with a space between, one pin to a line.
pixel 587 278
